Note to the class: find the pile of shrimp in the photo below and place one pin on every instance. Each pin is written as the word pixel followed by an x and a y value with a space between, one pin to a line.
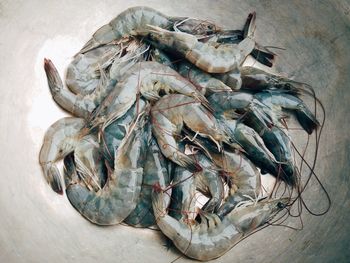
pixel 165 109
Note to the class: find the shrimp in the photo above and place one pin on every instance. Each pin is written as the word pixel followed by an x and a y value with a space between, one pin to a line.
pixel 118 198
pixel 127 23
pixel 170 114
pixel 77 104
pixel 212 58
pixel 253 145
pixel 155 171
pixel 213 237
pixel 201 79
pixel 256 79
pixel 147 79
pixel 60 140
pixel 287 101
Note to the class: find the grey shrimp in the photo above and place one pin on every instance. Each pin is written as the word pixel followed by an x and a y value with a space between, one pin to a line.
pixel 126 23
pixel 213 237
pixel 118 198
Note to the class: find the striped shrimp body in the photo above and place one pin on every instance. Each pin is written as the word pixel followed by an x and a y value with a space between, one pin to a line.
pixel 148 79
pixel 210 57
pixel 60 139
pixel 213 237
pixel 127 23
pixel 118 198
pixel 155 171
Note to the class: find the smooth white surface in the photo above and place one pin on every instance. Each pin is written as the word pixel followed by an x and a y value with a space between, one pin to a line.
pixel 37 225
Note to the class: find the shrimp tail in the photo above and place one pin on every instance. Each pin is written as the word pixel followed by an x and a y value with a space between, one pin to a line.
pixel 53 177
pixel 249 26
pixel 263 55
pixel 66 99
pixel 306 119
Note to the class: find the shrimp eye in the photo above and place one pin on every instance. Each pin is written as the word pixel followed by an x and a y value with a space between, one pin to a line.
pixel 281 205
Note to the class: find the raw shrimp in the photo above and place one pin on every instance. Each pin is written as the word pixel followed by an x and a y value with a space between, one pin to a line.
pixel 290 102
pixel 148 79
pixel 210 57
pixel 213 237
pixel 127 23
pixel 60 140
pixel 77 104
pixel 118 198
pixel 170 114
pixel 154 171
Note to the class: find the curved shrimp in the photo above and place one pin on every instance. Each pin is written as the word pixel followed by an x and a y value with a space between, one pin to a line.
pixel 290 102
pixel 127 23
pixel 147 79
pixel 77 104
pixel 118 198
pixel 60 140
pixel 214 237
pixel 169 116
pixel 210 57
pixel 154 171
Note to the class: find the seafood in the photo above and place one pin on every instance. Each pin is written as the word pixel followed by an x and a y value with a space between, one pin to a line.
pixel 287 101
pixel 242 177
pixel 154 171
pixel 213 237
pixel 77 104
pixel 167 115
pixel 60 140
pixel 118 198
pixel 114 133
pixel 127 23
pixel 219 58
pixel 147 79
pixel 170 114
